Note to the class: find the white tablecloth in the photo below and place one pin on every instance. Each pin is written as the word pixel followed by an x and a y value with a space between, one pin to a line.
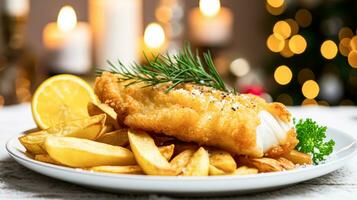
pixel 18 182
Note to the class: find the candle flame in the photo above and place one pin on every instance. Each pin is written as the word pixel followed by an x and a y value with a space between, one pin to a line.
pixel 210 8
pixel 154 35
pixel 67 19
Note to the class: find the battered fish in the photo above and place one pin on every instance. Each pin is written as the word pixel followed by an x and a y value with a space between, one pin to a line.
pixel 241 124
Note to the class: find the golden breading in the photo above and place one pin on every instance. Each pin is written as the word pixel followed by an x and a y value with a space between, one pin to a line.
pixel 193 114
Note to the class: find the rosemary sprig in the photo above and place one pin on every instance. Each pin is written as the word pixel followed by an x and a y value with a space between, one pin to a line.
pixel 184 67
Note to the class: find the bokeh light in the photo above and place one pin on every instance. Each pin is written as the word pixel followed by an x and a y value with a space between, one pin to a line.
pixel 345 32
pixel 345 46
pixel 275 3
pixel 240 67
pixel 282 28
pixel 285 99
pixel 163 14
pixel 286 52
pixel 275 43
pixel 2 101
pixel 283 75
pixel 352 59
pixel 293 26
pixel 328 49
pixel 309 102
pixel 323 103
pixel 310 89
pixel 304 75
pixel 353 43
pixel 297 44
pixel 274 11
pixel 303 17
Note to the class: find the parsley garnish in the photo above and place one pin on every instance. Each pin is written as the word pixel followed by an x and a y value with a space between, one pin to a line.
pixel 311 140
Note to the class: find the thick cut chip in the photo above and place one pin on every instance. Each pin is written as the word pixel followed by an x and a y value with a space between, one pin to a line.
pixel 167 151
pixel 101 108
pixel 180 161
pixel 131 169
pixel 285 163
pixel 263 164
pixel 148 155
pixel 222 160
pixel 298 157
pixel 46 158
pixel 118 137
pixel 244 170
pixel 198 165
pixel 75 152
pixel 88 128
pixel 214 171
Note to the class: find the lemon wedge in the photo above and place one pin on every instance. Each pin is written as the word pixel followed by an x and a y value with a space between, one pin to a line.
pixel 61 98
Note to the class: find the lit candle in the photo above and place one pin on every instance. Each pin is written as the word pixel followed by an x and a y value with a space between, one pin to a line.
pixel 68 43
pixel 210 24
pixel 154 39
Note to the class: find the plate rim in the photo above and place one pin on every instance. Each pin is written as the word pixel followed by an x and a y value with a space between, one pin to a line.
pixel 13 150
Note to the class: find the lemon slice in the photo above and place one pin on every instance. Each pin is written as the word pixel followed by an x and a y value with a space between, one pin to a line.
pixel 61 98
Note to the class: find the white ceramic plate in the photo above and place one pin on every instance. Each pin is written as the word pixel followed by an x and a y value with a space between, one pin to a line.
pixel 345 149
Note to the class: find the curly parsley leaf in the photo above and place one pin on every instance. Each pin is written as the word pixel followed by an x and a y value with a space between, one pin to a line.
pixel 311 140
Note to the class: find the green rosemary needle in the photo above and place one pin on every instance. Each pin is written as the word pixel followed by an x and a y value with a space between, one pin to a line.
pixel 184 67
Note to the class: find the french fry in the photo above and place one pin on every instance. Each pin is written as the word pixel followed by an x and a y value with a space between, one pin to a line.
pixel 244 170
pixel 198 165
pixel 33 142
pixel 88 128
pixel 214 171
pixel 180 161
pixel 46 158
pixel 222 160
pixel 298 157
pixel 266 164
pixel 285 163
pixel 148 155
pixel 118 137
pixel 75 152
pixel 167 151
pixel 130 169
pixel 101 108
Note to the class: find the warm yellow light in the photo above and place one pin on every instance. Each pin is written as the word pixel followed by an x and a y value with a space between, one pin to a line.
pixel 210 8
pixel 67 19
pixel 274 11
pixel 285 99
pixel 328 49
pixel 293 26
pixel 305 74
pixel 310 89
pixel 240 67
pixel 275 3
pixel 283 75
pixel 286 52
pixel 275 42
pixel 154 35
pixel 352 59
pixel 282 28
pixel 303 17
pixel 344 46
pixel 297 44
pixel 353 43
pixel 309 102
pixel 345 32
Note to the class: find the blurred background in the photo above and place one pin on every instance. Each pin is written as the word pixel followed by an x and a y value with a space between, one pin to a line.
pixel 298 52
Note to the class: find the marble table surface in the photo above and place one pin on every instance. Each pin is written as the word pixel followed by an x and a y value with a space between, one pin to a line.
pixel 17 182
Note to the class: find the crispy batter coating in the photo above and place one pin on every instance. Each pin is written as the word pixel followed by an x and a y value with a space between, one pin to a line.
pixel 193 113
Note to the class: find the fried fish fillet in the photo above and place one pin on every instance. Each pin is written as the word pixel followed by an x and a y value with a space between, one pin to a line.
pixel 241 124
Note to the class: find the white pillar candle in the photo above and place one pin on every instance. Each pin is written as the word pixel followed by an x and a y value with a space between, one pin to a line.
pixel 117 27
pixel 68 44
pixel 210 24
